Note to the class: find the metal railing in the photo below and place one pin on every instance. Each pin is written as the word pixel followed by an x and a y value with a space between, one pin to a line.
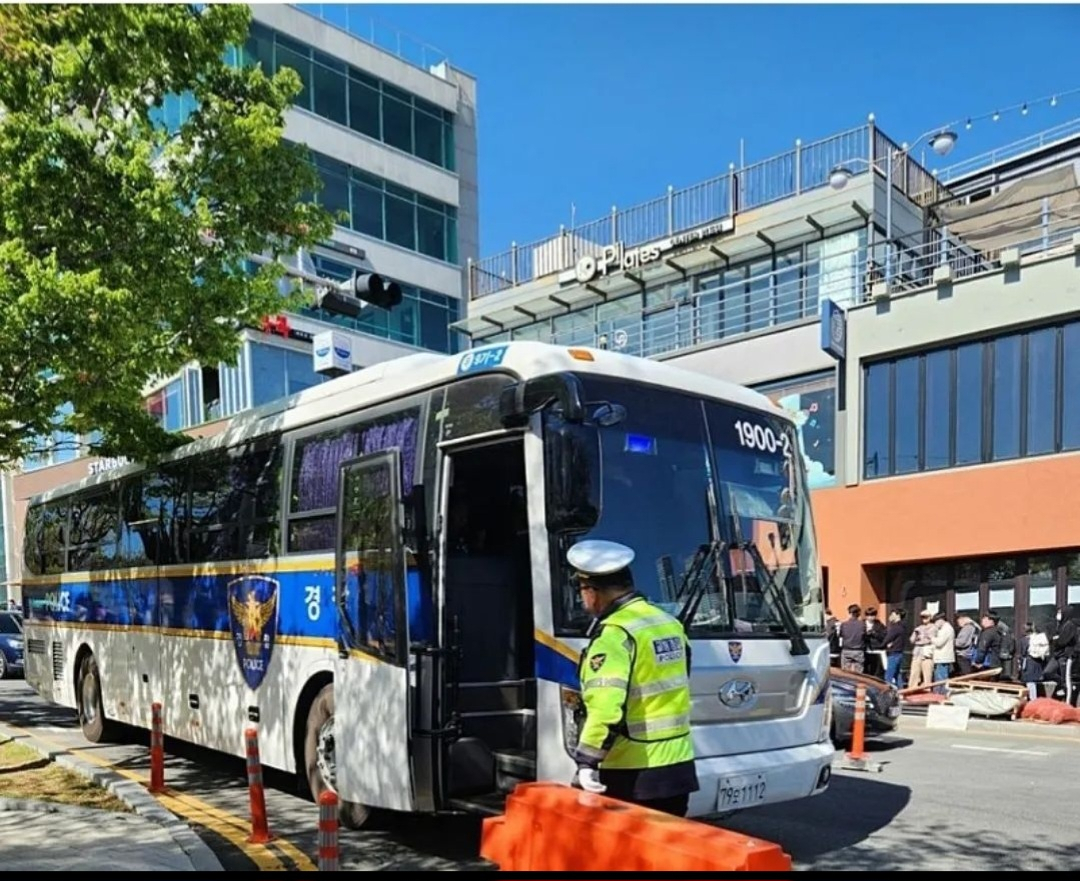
pixel 793 293
pixel 805 168
pixel 350 18
pixel 1009 151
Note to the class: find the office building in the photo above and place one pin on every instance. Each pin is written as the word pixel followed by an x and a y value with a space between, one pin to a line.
pixel 393 136
pixel 923 329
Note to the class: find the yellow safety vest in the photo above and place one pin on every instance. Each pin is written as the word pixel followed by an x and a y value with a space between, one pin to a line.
pixel 635 685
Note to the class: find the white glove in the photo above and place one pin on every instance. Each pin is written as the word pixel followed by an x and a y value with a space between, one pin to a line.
pixel 589 780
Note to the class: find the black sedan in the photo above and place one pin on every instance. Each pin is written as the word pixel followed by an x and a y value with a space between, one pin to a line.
pixel 882 705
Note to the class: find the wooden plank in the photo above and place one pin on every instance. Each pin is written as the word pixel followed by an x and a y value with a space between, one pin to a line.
pixel 982 674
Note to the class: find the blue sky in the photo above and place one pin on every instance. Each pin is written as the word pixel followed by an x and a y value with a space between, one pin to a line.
pixel 602 105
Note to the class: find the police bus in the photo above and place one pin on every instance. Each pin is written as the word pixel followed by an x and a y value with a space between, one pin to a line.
pixel 373 572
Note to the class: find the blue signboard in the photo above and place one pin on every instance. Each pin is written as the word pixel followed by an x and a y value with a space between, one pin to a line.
pixel 833 329
pixel 481 359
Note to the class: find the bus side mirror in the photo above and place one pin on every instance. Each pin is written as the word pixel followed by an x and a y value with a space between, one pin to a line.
pixel 521 399
pixel 571 475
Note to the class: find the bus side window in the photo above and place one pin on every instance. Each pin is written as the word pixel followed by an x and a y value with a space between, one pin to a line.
pixel 32 539
pixel 53 534
pixel 92 538
pixel 252 504
pixel 211 530
pixel 316 471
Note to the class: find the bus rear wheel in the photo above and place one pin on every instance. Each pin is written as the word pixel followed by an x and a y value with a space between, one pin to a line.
pixel 320 758
pixel 95 727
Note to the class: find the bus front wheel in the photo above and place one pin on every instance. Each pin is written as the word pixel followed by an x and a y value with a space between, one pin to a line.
pixel 320 758
pixel 95 726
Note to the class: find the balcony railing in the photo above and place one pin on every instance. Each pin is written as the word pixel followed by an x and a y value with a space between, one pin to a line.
pixel 977 244
pixel 351 18
pixel 1009 151
pixel 796 171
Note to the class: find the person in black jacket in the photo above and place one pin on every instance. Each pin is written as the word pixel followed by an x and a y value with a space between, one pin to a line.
pixel 1064 649
pixel 875 644
pixel 895 639
pixel 988 649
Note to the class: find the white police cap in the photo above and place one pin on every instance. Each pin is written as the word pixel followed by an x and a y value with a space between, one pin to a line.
pixel 595 557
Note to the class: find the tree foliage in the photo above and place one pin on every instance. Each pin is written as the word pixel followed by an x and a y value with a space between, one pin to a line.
pixel 121 242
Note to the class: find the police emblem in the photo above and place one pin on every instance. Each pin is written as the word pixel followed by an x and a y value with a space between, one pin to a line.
pixel 597 661
pixel 253 603
pixel 734 650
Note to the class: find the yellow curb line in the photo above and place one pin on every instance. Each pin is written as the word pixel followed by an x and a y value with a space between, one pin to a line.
pixel 231 827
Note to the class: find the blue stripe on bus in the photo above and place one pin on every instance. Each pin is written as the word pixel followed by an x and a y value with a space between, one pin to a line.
pixel 305 602
pixel 554 666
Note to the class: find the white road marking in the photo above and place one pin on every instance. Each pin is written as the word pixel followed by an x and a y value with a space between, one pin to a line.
pixel 1000 749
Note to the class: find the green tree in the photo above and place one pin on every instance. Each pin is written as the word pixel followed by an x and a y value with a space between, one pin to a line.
pixel 122 243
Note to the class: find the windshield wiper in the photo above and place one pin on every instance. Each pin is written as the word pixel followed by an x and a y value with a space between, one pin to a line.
pixel 697 577
pixel 779 599
pixel 776 593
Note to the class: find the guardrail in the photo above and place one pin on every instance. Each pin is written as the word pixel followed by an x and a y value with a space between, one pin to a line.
pixel 345 17
pixel 804 168
pixel 1009 151
pixel 787 296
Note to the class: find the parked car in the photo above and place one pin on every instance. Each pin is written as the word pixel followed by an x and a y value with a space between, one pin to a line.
pixel 882 705
pixel 11 644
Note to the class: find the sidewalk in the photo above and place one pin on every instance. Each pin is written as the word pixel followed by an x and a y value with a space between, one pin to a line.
pixel 1019 727
pixel 40 836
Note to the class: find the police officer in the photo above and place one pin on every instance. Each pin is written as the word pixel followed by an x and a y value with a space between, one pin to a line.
pixel 635 738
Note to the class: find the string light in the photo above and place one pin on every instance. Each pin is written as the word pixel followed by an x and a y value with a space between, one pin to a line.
pixel 1023 107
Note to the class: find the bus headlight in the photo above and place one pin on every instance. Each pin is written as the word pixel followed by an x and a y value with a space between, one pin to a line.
pixel 826 719
pixel 573 711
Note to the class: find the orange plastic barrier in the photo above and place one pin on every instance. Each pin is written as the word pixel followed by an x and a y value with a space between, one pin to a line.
pixel 555 828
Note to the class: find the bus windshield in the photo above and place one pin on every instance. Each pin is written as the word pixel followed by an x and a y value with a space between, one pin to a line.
pixel 681 472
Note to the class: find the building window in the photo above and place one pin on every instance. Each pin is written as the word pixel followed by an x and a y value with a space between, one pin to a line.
pixel 422 319
pixel 167 405
pixel 277 372
pixel 374 207
pixel 342 94
pixel 811 403
pixel 1003 398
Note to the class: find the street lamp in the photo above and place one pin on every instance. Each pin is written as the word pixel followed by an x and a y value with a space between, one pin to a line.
pixel 942 140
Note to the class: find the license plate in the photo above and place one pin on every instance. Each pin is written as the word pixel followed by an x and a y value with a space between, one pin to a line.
pixel 894 712
pixel 741 792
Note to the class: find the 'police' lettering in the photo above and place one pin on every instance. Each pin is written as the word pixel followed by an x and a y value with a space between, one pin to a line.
pixel 667 650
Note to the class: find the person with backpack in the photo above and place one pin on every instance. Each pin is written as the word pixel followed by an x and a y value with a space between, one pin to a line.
pixel 1034 652
pixel 1007 652
pixel 967 637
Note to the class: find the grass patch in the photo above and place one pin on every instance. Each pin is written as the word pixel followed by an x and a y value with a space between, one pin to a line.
pixel 50 783
pixel 14 754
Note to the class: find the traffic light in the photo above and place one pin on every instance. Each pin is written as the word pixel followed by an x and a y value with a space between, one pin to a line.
pixel 374 289
pixel 364 288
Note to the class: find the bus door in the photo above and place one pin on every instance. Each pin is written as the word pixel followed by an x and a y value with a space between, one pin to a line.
pixel 371 679
pixel 488 695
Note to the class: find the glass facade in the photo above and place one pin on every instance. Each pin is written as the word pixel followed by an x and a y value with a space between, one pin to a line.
pixel 55 448
pixel 277 372
pixel 350 97
pixel 375 207
pixel 811 403
pixel 714 303
pixel 422 319
pixel 985 401
pixel 1021 589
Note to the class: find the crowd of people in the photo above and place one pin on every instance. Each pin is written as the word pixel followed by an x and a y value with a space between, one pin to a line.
pixel 1045 659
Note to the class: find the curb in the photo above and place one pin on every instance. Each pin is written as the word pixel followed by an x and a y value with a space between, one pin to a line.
pixel 129 792
pixel 1002 726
